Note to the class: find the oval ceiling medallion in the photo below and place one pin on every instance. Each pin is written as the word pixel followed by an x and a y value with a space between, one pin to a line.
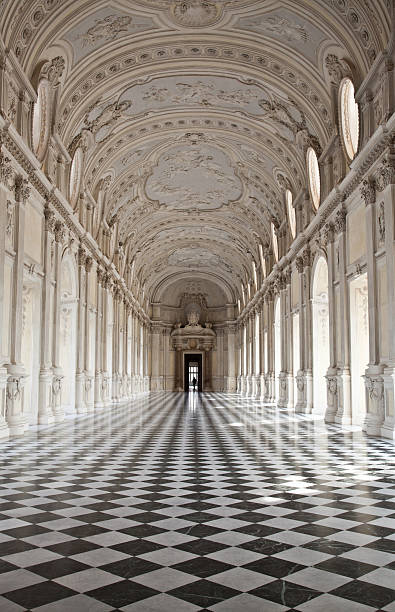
pixel 195 13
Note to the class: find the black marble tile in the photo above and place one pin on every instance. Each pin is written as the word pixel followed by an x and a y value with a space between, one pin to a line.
pixel 58 567
pixel 203 567
pixel 365 593
pixel 72 547
pixel 39 595
pixel 285 593
pixel 122 593
pixel 265 547
pixel 345 567
pixel 204 593
pixel 201 546
pixel 137 547
pixel 272 566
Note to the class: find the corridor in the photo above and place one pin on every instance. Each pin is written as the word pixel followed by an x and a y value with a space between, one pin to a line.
pixel 186 502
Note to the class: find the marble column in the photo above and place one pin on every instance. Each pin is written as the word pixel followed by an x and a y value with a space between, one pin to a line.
pixel 270 382
pixel 343 370
pixel 16 419
pixel 57 407
pixel 207 370
pixel 252 383
pixel 262 365
pixel 6 208
pixel 80 405
pixel 98 385
pixel 105 375
pixel 45 413
pixel 231 383
pixel 115 345
pixel 386 227
pixel 331 375
pixel 88 382
pixel 282 399
pixel 288 401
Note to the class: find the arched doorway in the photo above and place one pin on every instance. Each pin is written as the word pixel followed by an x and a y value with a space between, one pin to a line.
pixel 277 348
pixel 320 312
pixel 68 330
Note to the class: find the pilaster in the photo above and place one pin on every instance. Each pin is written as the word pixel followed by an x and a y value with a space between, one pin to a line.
pixel 343 414
pixel 16 419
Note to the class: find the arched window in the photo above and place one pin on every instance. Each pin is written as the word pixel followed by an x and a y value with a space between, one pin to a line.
pixel 290 212
pixel 274 242
pixel 349 118
pixel 255 275
pixel 243 291
pixel 313 175
pixel 76 176
pixel 263 261
pixel 41 121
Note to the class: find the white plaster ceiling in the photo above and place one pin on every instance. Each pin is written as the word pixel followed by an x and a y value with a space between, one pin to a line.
pixel 193 108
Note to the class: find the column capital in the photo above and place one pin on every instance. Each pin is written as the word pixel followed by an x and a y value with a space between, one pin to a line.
pixel 299 264
pixel 21 188
pixel 82 255
pixel 5 166
pixel 307 257
pixel 50 219
pixel 385 174
pixel 88 263
pixel 368 191
pixel 340 221
pixel 60 232
pixel 327 234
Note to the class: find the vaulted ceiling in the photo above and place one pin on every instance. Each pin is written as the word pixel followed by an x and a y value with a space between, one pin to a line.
pixel 196 112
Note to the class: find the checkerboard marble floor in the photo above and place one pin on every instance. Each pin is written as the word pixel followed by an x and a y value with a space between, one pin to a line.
pixel 180 503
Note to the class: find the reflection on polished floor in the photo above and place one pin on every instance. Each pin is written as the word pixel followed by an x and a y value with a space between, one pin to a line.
pixel 202 501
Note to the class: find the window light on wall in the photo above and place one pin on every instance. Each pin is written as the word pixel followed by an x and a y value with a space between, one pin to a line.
pixel 263 261
pixel 349 118
pixel 76 176
pixel 41 120
pixel 243 291
pixel 290 212
pixel 274 241
pixel 313 177
pixel 255 274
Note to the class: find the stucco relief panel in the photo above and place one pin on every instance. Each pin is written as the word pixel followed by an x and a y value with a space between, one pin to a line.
pixel 199 177
pixel 285 26
pixel 103 26
pixel 199 91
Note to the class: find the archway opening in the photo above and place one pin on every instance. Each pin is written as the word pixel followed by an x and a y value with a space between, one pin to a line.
pixel 321 357
pixel 359 337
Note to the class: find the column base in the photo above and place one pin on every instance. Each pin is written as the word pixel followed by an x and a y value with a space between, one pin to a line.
pixel 231 384
pixel 343 415
pixel 269 388
pixel 304 384
pixel 388 428
pixel 331 395
pixel 16 420
pixel 45 415
pixel 286 391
